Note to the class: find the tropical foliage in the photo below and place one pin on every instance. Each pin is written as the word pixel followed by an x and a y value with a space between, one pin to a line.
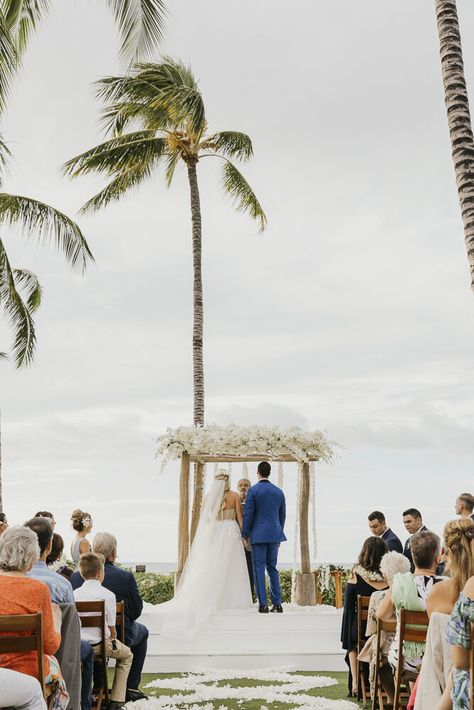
pixel 140 24
pixel 155 117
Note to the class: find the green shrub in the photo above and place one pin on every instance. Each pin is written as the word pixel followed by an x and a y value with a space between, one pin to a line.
pixel 155 588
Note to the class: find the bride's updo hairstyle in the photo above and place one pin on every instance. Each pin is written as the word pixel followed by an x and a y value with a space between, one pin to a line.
pixel 80 520
pixel 223 475
pixel 459 544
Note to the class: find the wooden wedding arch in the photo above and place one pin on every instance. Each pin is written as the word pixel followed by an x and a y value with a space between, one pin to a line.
pixel 305 448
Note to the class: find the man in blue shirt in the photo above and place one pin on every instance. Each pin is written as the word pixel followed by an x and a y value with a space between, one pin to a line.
pixel 379 528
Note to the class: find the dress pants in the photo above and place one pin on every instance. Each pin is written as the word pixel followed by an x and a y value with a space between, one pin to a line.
pixel 248 559
pixel 123 661
pixel 265 556
pixel 20 691
pixel 136 638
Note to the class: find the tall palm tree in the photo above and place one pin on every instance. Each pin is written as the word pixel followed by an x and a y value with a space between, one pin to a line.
pixel 163 102
pixel 459 119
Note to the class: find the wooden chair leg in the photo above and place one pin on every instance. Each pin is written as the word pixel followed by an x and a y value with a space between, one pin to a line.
pixel 398 683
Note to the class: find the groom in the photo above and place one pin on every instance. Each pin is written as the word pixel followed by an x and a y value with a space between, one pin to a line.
pixel 264 520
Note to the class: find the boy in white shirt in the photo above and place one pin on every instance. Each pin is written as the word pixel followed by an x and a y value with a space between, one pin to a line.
pixel 91 568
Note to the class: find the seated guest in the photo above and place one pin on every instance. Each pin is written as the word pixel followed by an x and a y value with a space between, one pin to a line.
pixel 365 579
pixel 124 586
pixel 21 691
pixel 410 591
pixel 55 560
pixel 379 528
pixel 459 549
pixel 458 635
pixel 243 488
pixel 82 524
pixel 19 551
pixel 60 588
pixel 392 563
pixel 464 505
pixel 3 523
pixel 91 569
pixel 46 514
pixel 413 523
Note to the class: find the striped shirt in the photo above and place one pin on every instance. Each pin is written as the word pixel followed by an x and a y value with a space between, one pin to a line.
pixel 60 588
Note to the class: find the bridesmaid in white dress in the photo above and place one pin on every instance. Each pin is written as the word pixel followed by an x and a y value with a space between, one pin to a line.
pixel 215 575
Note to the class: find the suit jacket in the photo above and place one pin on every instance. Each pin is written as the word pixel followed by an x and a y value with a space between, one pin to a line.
pixel 264 513
pixel 407 548
pixel 124 586
pixel 393 542
pixel 69 653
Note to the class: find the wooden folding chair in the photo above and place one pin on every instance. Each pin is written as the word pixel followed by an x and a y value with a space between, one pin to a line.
pixel 24 632
pixel 362 615
pixel 413 627
pixel 120 621
pixel 92 615
pixel 471 666
pixel 388 627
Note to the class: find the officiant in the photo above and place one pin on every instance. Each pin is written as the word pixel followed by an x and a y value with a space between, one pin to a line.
pixel 242 487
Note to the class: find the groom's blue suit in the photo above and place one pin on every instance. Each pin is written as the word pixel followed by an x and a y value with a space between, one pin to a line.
pixel 264 520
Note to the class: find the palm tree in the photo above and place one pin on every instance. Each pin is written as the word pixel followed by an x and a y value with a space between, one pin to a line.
pixel 140 24
pixel 459 119
pixel 164 103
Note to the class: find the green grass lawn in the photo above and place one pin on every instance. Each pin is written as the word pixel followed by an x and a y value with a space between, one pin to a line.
pixel 335 692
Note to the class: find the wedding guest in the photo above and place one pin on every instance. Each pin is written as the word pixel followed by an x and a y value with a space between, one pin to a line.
pixel 459 550
pixel 18 690
pixel 124 586
pixel 465 505
pixel 365 579
pixel 46 514
pixel 379 527
pixel 55 560
pixel 242 488
pixel 91 569
pixel 413 523
pixel 458 635
pixel 60 588
pixel 19 551
pixel 82 524
pixel 3 523
pixel 410 591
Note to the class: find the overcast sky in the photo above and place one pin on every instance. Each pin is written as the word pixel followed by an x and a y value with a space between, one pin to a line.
pixel 352 313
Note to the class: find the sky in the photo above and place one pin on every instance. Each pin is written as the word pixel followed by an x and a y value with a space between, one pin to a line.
pixel 351 314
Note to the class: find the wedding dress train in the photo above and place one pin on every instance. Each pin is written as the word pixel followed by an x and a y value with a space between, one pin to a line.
pixel 215 576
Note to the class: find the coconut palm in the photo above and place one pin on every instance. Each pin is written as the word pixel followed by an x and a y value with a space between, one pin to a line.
pixel 459 119
pixel 163 102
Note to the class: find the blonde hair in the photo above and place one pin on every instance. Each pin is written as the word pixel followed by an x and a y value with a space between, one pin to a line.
pixel 223 475
pixel 459 539
pixel 90 565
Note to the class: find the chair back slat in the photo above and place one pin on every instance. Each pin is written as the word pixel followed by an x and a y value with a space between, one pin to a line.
pixel 10 642
pixel 413 625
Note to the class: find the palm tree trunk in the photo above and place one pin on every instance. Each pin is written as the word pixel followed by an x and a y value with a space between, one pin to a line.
pixel 198 326
pixel 459 119
pixel 198 311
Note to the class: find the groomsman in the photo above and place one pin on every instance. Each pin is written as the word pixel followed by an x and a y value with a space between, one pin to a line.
pixel 465 505
pixel 264 521
pixel 379 528
pixel 413 523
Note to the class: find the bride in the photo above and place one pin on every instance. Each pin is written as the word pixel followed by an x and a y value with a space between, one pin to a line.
pixel 215 576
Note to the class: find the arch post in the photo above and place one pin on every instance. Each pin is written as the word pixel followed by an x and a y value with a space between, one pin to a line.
pixel 305 582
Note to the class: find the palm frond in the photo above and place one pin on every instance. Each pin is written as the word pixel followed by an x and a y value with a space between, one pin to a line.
pixel 230 143
pixel 125 181
pixel 28 282
pixel 20 316
pixel 118 154
pixel 22 18
pixel 141 25
pixel 4 155
pixel 8 60
pixel 242 194
pixel 39 220
pixel 117 117
pixel 172 160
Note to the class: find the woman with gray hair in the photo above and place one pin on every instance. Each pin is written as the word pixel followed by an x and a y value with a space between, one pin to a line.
pixel 19 594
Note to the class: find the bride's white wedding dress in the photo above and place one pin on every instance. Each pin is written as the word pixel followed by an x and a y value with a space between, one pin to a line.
pixel 215 576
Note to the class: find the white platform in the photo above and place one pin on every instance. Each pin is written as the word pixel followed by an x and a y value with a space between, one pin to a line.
pixel 306 638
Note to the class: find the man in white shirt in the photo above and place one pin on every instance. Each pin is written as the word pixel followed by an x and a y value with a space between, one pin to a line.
pixel 91 568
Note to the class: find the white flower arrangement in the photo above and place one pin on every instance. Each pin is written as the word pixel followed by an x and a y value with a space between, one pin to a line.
pixel 233 440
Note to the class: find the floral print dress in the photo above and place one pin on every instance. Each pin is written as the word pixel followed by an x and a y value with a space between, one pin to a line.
pixel 458 633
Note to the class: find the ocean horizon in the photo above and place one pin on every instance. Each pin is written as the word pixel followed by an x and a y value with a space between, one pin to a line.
pixel 170 567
